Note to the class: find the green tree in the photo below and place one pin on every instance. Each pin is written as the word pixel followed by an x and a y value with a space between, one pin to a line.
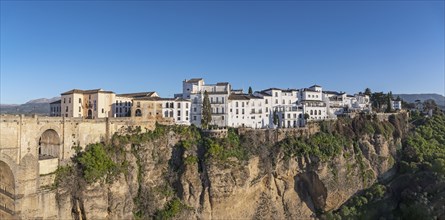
pixel 368 92
pixel 250 90
pixel 206 111
pixel 388 103
pixel 275 117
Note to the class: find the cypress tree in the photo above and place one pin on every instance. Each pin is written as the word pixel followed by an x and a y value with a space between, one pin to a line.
pixel 206 111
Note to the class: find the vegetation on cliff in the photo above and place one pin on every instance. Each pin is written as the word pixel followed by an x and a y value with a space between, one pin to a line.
pixel 417 190
pixel 173 155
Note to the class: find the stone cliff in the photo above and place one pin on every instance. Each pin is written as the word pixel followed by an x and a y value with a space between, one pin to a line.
pixel 251 174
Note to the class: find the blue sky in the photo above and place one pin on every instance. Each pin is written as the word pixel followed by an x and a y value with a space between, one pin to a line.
pixel 48 47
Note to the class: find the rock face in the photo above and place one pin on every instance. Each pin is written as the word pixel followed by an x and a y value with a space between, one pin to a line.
pixel 268 185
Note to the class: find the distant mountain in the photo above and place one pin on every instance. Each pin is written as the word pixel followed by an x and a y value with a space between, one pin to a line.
pixel 439 99
pixel 36 106
pixel 43 100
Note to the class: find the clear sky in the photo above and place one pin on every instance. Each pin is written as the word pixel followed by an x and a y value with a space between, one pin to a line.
pixel 49 47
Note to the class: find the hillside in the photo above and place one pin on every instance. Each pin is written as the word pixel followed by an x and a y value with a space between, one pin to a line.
pixel 411 98
pixel 180 172
pixel 37 106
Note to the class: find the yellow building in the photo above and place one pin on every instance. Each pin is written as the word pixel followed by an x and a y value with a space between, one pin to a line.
pixel 96 103
pixel 147 108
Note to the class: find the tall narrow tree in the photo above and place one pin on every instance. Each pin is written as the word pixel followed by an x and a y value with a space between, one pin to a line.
pixel 368 92
pixel 388 103
pixel 275 117
pixel 206 111
pixel 250 90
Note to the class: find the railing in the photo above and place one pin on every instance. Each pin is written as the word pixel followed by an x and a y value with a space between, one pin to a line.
pixel 4 192
pixel 4 208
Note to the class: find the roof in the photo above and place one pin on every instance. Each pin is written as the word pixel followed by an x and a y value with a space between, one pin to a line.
pixel 159 99
pixel 254 97
pixel 270 89
pixel 264 93
pixel 86 91
pixel 239 97
pixel 309 89
pixel 56 102
pixel 290 90
pixel 222 83
pixel 139 94
pixel 333 92
pixel 193 80
pixel 315 86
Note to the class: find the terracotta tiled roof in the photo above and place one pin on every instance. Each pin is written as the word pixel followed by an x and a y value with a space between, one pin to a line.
pixel 86 91
pixel 139 94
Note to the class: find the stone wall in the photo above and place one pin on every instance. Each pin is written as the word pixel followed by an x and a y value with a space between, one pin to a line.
pixel 19 149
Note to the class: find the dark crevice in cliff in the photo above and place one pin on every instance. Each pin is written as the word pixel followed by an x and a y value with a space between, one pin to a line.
pixel 311 190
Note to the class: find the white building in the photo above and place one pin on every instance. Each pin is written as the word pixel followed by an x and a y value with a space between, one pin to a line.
pixel 55 108
pixel 178 109
pixel 218 93
pixel 248 111
pixel 285 103
pixel 396 105
pixel 312 102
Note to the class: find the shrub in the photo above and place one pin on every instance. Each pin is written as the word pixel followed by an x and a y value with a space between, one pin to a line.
pixel 95 163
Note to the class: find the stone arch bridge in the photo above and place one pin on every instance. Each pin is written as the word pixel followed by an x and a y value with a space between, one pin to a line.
pixel 31 149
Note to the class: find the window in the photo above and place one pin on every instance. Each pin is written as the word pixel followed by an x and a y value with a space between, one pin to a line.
pixel 288 115
pixel 171 114
pixel 80 109
pixel 69 100
pixel 66 109
pixel 187 105
pixel 211 99
pixel 276 94
pixel 290 102
pixel 194 109
pixel 171 105
pixel 166 114
pixel 179 112
pixel 194 118
pixel 187 112
pixel 179 105
pixel 267 101
pixel 63 100
pixel 103 111
pixel 319 112
pixel 222 110
pixel 315 112
pixel 242 111
pixel 242 104
pixel 166 104
pixel 237 112
pixel 139 113
pixel 80 100
pixel 312 112
pixel 236 104
pixel 222 101
pixel 284 102
pixel 276 101
pixel 120 103
pixel 267 109
pixel 179 118
pixel 138 104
